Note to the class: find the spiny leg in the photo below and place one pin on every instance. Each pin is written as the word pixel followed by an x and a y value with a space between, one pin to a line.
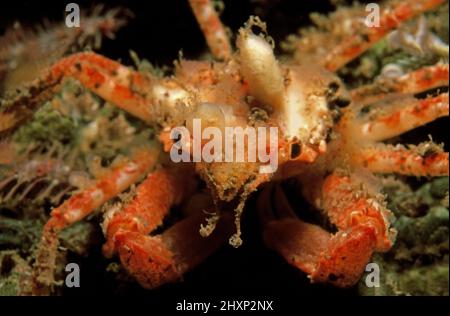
pixel 160 259
pixel 212 28
pixel 80 205
pixel 390 19
pixel 420 80
pixel 398 115
pixel 427 159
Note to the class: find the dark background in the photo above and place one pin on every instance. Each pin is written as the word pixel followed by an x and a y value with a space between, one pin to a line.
pixel 157 32
pixel 161 28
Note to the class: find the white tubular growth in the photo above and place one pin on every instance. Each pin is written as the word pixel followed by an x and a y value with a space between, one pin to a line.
pixel 300 110
pixel 261 69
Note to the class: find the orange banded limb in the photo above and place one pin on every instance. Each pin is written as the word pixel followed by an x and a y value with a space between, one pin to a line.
pixel 212 28
pixel 390 19
pixel 109 79
pixel 82 204
pixel 154 197
pixel 350 202
pixel 405 114
pixel 413 161
pixel 164 258
pixel 338 258
pixel 159 259
pixel 420 80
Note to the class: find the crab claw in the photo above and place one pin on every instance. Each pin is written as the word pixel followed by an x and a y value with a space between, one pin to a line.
pixel 356 245
pixel 164 258
pixel 339 259
pixel 147 258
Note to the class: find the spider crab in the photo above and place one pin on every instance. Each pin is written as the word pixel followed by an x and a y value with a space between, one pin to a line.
pixel 330 139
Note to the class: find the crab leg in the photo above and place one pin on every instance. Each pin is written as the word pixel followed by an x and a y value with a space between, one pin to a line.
pixel 404 114
pixel 80 205
pixel 109 79
pixel 18 110
pixel 164 258
pixel 349 202
pixel 300 243
pixel 390 19
pixel 336 258
pixel 154 197
pixel 160 259
pixel 423 79
pixel 212 28
pixel 423 160
pixel 146 98
pixel 339 259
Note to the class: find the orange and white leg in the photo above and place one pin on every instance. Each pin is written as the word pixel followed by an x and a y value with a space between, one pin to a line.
pixel 109 79
pixel 401 115
pixel 354 200
pixel 340 259
pixel 212 28
pixel 390 19
pixel 300 243
pixel 154 197
pixel 146 98
pixel 160 259
pixel 420 80
pixel 424 160
pixel 164 258
pixel 82 204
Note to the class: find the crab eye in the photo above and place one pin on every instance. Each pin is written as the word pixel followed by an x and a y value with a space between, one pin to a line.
pixel 336 96
pixel 333 87
pixel 340 102
pixel 296 150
